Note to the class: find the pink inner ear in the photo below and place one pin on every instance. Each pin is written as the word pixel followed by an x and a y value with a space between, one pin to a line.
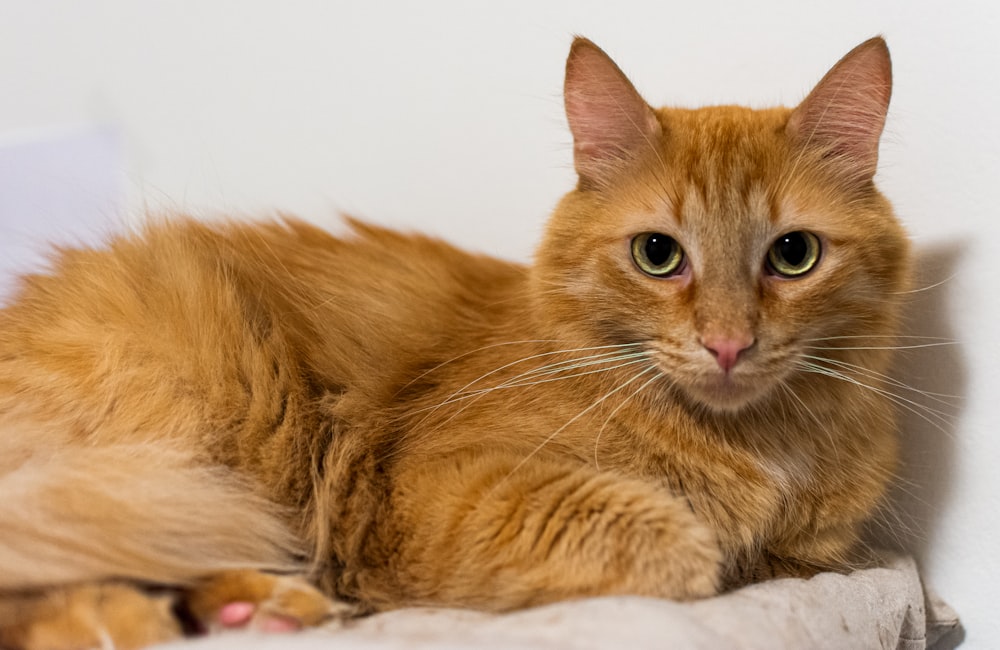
pixel 845 113
pixel 609 120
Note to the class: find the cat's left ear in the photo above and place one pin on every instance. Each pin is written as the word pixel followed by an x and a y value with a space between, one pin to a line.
pixel 845 113
pixel 611 123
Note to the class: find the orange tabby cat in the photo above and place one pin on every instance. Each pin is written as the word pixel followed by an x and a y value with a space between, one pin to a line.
pixel 667 402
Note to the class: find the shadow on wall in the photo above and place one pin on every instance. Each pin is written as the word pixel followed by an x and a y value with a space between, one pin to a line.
pixel 933 370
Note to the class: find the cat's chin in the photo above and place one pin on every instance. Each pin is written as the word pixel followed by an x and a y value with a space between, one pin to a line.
pixel 726 395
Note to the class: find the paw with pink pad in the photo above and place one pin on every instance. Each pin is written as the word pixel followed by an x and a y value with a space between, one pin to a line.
pixel 242 614
pixel 262 602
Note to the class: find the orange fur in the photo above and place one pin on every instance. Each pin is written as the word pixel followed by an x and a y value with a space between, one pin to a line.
pixel 420 425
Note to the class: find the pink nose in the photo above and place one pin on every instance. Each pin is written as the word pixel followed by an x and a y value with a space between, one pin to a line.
pixel 726 350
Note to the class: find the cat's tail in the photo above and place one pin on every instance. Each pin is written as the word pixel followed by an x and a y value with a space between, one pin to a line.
pixel 141 512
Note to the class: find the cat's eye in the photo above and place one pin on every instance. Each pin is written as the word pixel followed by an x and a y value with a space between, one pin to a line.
pixel 657 254
pixel 794 254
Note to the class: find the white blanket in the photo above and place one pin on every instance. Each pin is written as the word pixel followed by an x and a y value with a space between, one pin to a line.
pixel 875 608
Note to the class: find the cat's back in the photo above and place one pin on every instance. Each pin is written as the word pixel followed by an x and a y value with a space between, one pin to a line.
pixel 189 316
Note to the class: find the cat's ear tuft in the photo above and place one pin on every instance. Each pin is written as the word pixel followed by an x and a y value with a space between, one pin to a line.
pixel 611 123
pixel 845 113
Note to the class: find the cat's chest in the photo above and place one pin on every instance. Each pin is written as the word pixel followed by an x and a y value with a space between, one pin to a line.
pixel 745 492
pixel 787 471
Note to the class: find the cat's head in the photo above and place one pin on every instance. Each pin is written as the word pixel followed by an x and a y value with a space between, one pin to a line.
pixel 728 242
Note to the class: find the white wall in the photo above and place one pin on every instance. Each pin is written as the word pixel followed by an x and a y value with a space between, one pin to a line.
pixel 446 117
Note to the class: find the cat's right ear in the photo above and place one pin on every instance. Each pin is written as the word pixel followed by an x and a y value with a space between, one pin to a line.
pixel 611 123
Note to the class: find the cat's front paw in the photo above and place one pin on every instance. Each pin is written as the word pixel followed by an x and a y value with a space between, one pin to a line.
pixel 668 552
pixel 543 532
pixel 247 599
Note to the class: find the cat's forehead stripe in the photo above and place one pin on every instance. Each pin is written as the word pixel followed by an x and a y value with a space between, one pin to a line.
pixel 724 157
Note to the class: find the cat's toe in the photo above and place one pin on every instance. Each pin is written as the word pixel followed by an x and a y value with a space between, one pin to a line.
pixel 247 615
pixel 263 602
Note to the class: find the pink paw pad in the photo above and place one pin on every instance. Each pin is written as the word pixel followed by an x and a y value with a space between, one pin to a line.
pixel 241 614
pixel 236 614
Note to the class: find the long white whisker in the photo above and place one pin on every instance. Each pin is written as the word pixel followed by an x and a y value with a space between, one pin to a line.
pixel 944 417
pixel 940 398
pixel 928 287
pixel 819 423
pixel 802 404
pixel 430 410
pixel 879 336
pixel 479 393
pixel 470 352
pixel 573 364
pixel 538 356
pixel 549 369
pixel 597 439
pixel 530 358
pixel 576 417
pixel 530 378
pixel 916 408
pixel 883 347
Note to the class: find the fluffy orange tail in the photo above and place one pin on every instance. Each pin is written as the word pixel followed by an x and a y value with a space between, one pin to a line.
pixel 143 512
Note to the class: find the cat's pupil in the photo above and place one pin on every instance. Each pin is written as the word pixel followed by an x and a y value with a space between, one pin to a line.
pixel 793 248
pixel 659 249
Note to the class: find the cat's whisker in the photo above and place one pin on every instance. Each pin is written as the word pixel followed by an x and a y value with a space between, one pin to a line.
pixel 554 434
pixel 551 368
pixel 637 358
pixel 940 398
pixel 907 487
pixel 884 347
pixel 927 288
pixel 531 358
pixel 819 423
pixel 890 520
pixel 466 354
pixel 878 336
pixel 471 398
pixel 801 407
pixel 575 364
pixel 832 372
pixel 597 438
pixel 931 416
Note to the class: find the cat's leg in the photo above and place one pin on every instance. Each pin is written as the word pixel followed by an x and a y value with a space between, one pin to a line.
pixel 125 616
pixel 81 617
pixel 499 533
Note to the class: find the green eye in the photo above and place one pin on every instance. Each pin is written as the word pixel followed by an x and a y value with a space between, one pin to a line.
pixel 657 254
pixel 794 254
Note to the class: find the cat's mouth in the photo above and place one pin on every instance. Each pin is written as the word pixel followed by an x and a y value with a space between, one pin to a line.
pixel 722 391
pixel 704 382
